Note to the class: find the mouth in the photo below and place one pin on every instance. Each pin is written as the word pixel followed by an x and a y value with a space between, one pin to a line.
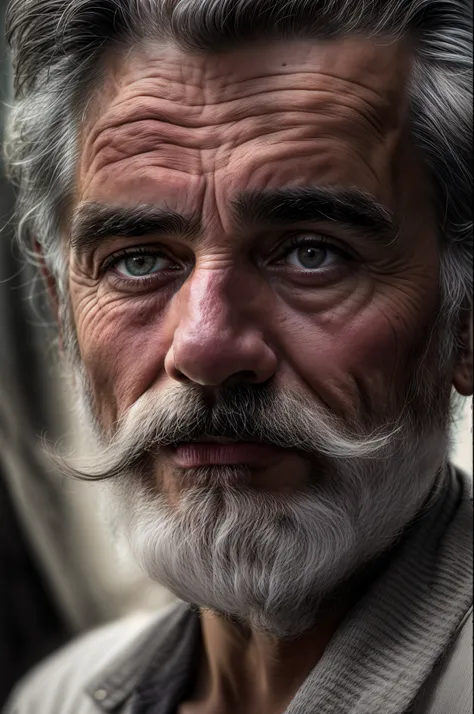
pixel 219 451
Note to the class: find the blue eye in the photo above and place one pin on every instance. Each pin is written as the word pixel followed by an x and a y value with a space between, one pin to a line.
pixel 311 256
pixel 140 265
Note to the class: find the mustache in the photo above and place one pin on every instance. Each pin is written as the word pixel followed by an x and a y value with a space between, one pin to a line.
pixel 179 414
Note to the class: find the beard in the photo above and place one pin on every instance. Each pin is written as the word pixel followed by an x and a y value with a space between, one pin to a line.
pixel 269 559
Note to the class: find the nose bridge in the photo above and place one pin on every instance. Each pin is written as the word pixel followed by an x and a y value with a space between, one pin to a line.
pixel 210 309
pixel 217 335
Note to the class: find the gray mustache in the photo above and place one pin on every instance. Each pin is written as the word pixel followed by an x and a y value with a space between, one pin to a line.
pixel 237 413
pixel 240 414
pixel 244 412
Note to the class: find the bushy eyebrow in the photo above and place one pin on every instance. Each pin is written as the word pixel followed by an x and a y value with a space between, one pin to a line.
pixel 93 223
pixel 357 211
pixel 350 207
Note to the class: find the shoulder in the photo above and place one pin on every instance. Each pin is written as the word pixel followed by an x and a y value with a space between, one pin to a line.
pixel 62 683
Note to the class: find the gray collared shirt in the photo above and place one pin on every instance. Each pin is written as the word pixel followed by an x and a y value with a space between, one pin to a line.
pixel 167 680
pixel 141 664
pixel 157 670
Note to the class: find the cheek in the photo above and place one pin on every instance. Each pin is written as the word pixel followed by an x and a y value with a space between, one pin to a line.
pixel 123 350
pixel 354 365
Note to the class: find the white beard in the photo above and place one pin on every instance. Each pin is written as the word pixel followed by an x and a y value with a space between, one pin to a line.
pixel 266 559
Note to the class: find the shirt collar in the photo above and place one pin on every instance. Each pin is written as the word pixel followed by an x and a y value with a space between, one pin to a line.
pixel 115 684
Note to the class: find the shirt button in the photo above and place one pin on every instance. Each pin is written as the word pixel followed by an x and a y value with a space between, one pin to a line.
pixel 100 695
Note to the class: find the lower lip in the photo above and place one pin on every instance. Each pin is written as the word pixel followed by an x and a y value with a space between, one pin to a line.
pixel 188 456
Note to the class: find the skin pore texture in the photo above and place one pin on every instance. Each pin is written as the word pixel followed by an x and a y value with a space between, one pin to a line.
pixel 233 301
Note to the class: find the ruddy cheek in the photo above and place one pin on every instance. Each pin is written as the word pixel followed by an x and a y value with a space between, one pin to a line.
pixel 123 352
pixel 370 343
pixel 344 366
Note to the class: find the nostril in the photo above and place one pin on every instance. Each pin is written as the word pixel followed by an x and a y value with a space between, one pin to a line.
pixel 179 376
pixel 173 371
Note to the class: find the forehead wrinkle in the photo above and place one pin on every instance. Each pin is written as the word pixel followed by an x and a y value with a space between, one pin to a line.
pixel 148 132
pixel 145 74
pixel 138 107
pixel 308 82
pixel 383 60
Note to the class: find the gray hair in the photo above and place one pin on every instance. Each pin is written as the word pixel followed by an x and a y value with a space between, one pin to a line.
pixel 57 50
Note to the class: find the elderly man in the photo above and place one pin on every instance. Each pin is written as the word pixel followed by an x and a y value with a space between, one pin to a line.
pixel 254 221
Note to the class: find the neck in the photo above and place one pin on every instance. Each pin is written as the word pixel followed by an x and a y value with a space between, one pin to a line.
pixel 245 671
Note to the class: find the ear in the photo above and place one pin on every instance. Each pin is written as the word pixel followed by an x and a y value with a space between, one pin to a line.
pixel 51 287
pixel 463 373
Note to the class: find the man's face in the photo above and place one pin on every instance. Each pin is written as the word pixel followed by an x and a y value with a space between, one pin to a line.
pixel 286 238
pixel 334 310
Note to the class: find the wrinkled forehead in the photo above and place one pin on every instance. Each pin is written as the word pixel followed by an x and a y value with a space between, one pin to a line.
pixel 217 85
pixel 166 122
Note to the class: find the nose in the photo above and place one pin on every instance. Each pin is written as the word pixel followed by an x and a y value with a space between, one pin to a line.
pixel 216 339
